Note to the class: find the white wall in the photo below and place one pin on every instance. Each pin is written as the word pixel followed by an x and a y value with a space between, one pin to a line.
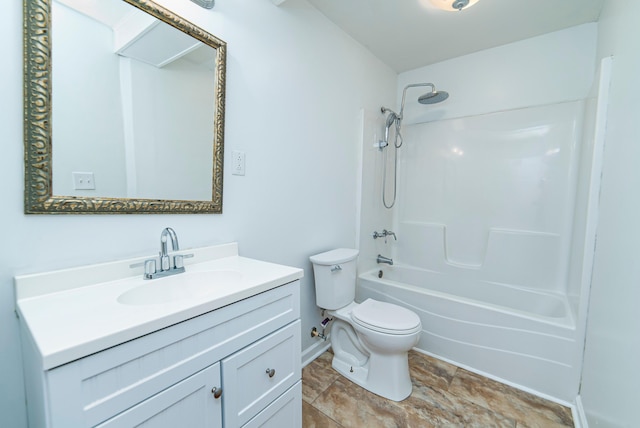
pixel 611 373
pixel 295 88
pixel 547 69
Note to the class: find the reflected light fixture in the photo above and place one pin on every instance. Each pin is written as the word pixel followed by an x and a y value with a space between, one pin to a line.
pixel 453 5
pixel 207 4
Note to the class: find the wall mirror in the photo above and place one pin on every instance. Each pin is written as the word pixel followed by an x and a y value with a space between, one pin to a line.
pixel 124 109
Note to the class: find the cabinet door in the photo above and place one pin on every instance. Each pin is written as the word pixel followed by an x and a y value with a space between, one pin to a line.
pixel 260 373
pixel 286 411
pixel 189 403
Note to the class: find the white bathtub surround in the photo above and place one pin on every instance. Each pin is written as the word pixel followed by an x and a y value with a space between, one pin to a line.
pixel 486 246
pixel 496 225
pixel 492 196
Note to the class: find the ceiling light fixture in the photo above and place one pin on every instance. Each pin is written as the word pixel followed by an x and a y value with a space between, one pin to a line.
pixel 453 5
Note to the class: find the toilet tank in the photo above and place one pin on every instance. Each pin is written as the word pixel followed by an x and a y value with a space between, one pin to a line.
pixel 335 275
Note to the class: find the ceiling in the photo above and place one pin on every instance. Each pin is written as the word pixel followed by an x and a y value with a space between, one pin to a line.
pixel 407 34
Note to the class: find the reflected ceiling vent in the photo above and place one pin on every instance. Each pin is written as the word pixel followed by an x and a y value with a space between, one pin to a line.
pixel 207 4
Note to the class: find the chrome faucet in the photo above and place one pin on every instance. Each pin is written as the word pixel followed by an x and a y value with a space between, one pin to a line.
pixel 165 262
pixel 383 259
pixel 167 265
pixel 384 235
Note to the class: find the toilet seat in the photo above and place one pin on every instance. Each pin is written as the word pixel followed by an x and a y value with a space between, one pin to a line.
pixel 386 318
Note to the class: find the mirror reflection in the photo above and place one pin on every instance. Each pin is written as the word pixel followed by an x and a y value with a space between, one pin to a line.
pixel 133 104
pixel 124 109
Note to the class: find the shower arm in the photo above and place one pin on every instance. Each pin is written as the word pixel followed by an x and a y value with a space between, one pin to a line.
pixel 404 93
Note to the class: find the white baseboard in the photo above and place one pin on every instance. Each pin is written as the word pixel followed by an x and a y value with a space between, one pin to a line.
pixel 579 416
pixel 314 351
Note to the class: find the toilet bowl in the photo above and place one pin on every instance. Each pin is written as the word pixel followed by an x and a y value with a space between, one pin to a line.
pixel 370 340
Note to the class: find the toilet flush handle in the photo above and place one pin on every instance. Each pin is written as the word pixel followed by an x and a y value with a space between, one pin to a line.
pixel 336 268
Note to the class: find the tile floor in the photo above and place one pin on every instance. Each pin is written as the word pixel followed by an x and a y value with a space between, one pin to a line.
pixel 443 396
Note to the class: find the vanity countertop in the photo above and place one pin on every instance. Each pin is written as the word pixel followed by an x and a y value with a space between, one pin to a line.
pixel 75 312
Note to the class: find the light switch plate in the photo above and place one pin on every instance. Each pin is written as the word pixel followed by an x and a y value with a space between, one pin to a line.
pixel 237 162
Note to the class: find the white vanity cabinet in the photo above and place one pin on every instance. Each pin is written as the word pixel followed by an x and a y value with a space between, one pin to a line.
pixel 238 365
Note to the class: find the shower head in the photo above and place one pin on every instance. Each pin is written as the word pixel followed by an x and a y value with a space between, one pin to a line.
pixel 433 97
pixel 429 98
pixel 396 118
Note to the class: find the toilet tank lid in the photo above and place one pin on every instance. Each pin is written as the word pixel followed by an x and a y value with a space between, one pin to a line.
pixel 340 255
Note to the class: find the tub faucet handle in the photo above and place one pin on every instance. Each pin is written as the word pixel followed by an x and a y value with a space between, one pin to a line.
pixel 386 233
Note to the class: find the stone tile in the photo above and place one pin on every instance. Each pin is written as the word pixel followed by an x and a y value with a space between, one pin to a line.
pixel 435 407
pixel 317 376
pixel 443 396
pixel 352 406
pixel 325 359
pixel 314 418
pixel 527 409
pixel 426 370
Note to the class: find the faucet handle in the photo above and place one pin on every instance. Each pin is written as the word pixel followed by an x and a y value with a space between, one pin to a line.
pixel 178 260
pixel 149 267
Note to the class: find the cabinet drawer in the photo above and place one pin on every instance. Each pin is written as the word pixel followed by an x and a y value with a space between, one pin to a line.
pixel 189 403
pixel 259 373
pixel 286 411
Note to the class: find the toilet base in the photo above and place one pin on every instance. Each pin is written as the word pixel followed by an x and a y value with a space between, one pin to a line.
pixel 384 375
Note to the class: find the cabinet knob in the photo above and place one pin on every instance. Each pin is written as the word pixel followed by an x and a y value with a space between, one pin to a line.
pixel 271 372
pixel 217 392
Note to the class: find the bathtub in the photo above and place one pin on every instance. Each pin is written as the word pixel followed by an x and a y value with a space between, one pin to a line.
pixel 517 335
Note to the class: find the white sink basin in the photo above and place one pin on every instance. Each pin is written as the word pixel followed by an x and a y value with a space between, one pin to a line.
pixel 187 285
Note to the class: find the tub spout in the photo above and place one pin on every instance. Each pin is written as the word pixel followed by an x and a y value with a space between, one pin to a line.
pixel 383 259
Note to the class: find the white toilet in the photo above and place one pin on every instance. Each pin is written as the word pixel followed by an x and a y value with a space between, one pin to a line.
pixel 370 340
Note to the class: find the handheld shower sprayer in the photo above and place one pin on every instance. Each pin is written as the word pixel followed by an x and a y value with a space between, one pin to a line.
pixel 394 118
pixel 391 119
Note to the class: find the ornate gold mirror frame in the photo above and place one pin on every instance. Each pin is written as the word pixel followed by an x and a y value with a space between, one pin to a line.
pixel 37 124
